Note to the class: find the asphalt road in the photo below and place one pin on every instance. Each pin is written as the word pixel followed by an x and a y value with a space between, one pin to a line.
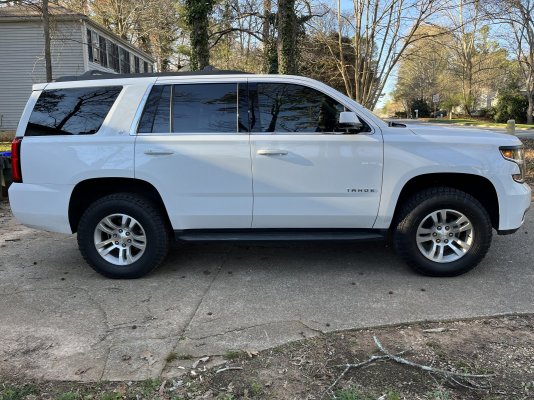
pixel 61 320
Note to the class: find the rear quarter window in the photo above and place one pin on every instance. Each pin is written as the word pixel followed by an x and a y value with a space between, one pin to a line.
pixel 76 111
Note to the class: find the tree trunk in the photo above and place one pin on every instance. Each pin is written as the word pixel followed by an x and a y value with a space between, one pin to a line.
pixel 46 29
pixel 270 52
pixel 530 110
pixel 287 37
pixel 197 16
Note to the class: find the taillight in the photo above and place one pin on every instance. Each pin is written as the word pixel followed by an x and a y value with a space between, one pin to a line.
pixel 16 171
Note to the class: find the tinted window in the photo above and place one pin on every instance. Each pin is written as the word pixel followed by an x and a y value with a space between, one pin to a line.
pixel 79 111
pixel 204 108
pixel 156 117
pixel 294 108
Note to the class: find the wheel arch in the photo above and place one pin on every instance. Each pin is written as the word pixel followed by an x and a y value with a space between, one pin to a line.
pixel 477 186
pixel 87 191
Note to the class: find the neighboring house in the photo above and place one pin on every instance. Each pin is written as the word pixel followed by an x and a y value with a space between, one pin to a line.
pixel 78 44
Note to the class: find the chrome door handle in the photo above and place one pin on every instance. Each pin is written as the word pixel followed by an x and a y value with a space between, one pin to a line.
pixel 269 152
pixel 158 153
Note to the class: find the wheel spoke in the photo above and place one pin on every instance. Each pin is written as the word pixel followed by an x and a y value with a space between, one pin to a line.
pixel 464 245
pixel 424 231
pixel 140 246
pixel 104 243
pixel 107 221
pixel 459 252
pixel 424 238
pixel 129 257
pixel 106 251
pixel 439 256
pixel 443 215
pixel 105 228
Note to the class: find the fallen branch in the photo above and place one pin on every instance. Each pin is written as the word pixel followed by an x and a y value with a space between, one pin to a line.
pixel 386 355
pixel 227 369
pixel 438 371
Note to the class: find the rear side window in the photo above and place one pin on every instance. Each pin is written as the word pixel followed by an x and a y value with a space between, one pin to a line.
pixel 210 108
pixel 77 111
pixel 156 116
pixel 196 108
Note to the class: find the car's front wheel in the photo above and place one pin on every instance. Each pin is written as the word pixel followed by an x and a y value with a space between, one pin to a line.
pixel 123 235
pixel 442 232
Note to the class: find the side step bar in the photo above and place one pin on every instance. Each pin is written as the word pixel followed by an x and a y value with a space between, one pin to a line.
pixel 269 235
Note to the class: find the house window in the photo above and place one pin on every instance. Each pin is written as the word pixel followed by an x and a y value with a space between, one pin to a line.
pixel 113 56
pixel 89 45
pixel 137 65
pixel 103 51
pixel 124 61
pixel 145 66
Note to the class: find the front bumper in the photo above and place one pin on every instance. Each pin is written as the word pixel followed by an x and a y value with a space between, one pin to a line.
pixel 514 203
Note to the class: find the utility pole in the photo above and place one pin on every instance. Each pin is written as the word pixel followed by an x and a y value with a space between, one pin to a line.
pixel 46 28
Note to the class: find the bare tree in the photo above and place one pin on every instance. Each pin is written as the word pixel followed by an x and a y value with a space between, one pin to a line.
pixel 42 7
pixel 517 16
pixel 46 35
pixel 382 30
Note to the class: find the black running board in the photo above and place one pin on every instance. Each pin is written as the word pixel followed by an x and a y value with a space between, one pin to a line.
pixel 270 235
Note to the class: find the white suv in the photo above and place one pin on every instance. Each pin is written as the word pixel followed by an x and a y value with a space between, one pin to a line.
pixel 132 162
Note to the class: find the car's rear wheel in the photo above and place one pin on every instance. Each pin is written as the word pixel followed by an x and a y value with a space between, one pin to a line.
pixel 442 232
pixel 123 236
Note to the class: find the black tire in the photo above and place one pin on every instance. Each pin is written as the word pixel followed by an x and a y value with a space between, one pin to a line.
pixel 411 215
pixel 149 217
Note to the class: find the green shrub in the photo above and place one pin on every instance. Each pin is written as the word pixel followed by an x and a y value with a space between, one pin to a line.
pixel 511 106
pixel 422 106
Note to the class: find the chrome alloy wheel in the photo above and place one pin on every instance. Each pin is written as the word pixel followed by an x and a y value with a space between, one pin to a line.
pixel 120 239
pixel 444 236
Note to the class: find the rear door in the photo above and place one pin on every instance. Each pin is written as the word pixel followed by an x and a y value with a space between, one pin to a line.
pixel 307 172
pixel 193 145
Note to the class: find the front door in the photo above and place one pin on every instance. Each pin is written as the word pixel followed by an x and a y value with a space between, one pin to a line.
pixel 194 147
pixel 307 172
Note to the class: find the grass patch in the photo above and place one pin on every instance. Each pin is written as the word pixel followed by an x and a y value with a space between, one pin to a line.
pixel 13 392
pixel 171 357
pixel 232 354
pixel 473 122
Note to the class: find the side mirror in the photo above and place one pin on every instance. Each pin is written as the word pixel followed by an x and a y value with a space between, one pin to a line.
pixel 349 120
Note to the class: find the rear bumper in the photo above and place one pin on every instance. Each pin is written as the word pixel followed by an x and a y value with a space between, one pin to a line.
pixel 44 207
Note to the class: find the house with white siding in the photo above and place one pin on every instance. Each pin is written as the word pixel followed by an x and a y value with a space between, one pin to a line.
pixel 78 44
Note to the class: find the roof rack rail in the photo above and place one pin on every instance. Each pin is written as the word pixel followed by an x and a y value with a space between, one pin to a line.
pixel 96 74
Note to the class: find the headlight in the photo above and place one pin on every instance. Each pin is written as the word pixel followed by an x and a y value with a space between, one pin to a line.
pixel 515 154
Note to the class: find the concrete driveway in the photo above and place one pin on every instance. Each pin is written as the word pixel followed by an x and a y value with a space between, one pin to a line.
pixel 61 320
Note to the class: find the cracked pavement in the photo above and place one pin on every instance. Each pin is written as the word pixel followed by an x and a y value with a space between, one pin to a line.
pixel 59 320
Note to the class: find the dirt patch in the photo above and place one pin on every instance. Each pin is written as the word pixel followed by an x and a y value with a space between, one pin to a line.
pixel 502 347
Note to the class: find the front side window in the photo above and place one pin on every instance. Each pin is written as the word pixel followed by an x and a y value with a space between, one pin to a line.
pixel 78 111
pixel 294 108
